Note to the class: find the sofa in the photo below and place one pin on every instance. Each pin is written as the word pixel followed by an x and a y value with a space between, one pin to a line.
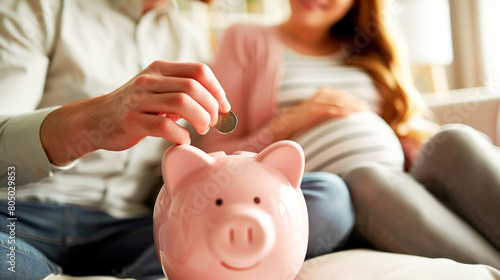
pixel 476 107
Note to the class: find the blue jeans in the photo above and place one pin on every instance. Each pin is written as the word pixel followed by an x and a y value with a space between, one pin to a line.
pixel 24 262
pixel 331 214
pixel 88 242
pixel 81 241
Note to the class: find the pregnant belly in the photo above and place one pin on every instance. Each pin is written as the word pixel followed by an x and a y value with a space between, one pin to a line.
pixel 337 145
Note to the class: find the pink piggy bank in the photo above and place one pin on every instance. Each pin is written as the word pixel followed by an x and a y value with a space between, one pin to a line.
pixel 236 217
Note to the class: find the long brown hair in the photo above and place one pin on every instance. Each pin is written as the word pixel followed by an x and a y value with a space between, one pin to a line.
pixel 367 43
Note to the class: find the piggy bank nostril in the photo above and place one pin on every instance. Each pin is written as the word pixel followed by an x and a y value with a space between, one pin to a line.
pixel 250 237
pixel 231 236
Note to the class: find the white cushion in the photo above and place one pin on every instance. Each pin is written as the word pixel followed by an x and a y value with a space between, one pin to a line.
pixel 368 264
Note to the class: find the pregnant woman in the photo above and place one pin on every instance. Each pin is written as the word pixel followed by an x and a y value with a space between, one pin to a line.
pixel 331 79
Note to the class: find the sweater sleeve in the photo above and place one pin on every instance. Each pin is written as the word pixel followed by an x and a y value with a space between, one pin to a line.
pixel 235 66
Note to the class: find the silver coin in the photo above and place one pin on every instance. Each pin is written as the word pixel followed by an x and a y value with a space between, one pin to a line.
pixel 226 122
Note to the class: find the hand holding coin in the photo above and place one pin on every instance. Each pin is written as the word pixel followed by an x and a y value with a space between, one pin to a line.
pixel 226 122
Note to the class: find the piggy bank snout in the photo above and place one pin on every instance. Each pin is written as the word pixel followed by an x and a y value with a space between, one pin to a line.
pixel 241 239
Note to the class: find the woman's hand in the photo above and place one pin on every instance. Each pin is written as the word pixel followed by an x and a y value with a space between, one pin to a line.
pixel 327 103
pixel 147 105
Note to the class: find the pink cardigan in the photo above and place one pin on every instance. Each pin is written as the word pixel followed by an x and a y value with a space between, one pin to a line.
pixel 249 66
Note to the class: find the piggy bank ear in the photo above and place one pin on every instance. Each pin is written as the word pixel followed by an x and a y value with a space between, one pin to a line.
pixel 287 157
pixel 180 161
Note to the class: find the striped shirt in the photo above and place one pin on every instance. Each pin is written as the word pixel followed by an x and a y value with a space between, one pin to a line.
pixel 339 144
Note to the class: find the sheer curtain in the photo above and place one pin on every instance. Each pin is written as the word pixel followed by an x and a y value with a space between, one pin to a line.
pixel 489 40
pixel 476 44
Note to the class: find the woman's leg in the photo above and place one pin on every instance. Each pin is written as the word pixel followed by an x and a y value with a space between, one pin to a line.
pixel 462 169
pixel 395 213
pixel 331 216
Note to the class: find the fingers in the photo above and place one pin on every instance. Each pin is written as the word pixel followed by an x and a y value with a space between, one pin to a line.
pixel 322 111
pixel 343 101
pixel 176 105
pixel 158 126
pixel 152 102
pixel 166 91
pixel 165 85
pixel 198 72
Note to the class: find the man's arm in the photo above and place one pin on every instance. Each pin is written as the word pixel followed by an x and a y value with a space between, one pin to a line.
pixel 147 105
pixel 27 35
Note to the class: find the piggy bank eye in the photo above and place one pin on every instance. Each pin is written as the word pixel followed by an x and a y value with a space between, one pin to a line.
pixel 218 202
pixel 256 200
